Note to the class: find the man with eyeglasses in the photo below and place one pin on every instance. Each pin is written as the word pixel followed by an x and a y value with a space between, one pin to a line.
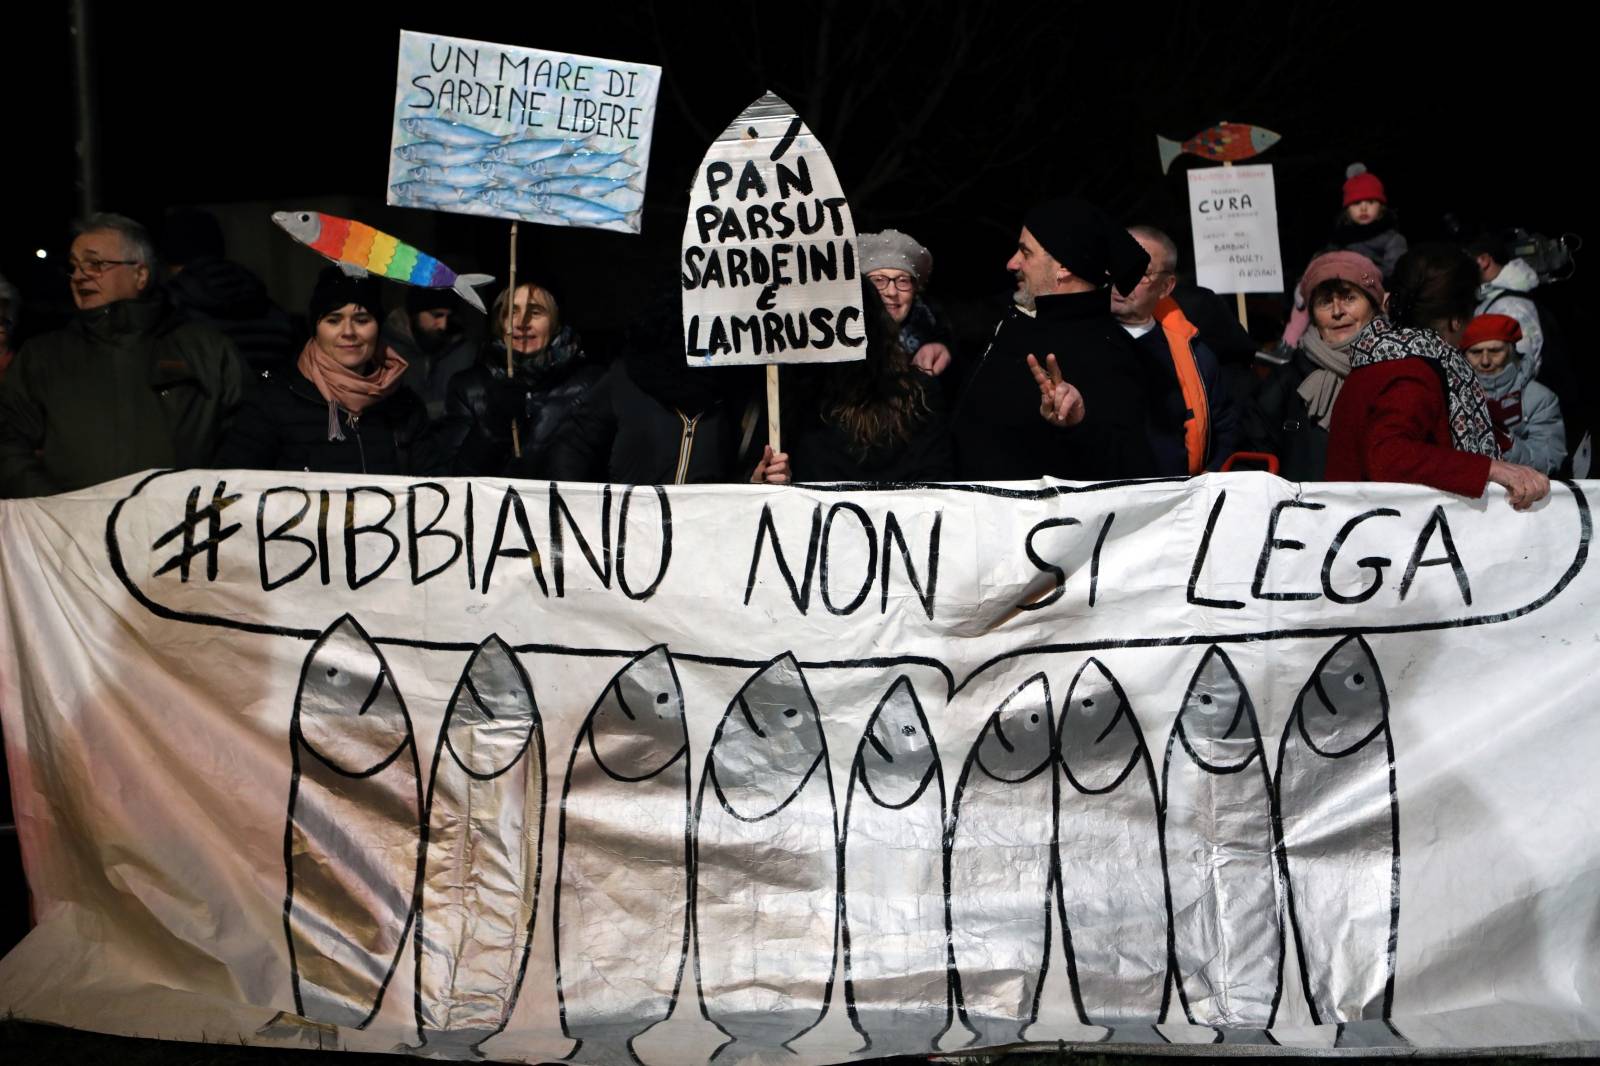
pixel 126 386
pixel 1059 392
pixel 1193 425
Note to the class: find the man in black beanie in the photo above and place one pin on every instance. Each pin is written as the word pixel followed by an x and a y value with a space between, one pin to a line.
pixel 430 335
pixel 1083 418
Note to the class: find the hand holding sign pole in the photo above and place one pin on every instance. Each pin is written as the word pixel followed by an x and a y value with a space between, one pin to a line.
pixel 769 253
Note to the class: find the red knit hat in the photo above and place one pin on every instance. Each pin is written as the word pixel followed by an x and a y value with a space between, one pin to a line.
pixel 1361 184
pixel 1491 328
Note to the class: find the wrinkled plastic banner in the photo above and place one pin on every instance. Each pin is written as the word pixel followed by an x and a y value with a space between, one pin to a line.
pixel 638 774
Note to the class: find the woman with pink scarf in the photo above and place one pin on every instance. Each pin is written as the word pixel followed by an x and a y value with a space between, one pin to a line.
pixel 340 407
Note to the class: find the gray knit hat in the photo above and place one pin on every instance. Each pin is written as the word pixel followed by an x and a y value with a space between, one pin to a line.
pixel 893 250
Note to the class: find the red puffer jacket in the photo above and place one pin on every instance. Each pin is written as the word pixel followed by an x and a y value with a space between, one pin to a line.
pixel 1392 423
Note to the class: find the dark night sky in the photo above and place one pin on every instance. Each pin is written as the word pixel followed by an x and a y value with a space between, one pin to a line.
pixel 944 120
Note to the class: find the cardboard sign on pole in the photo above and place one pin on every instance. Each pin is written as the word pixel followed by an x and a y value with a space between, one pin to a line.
pixel 769 268
pixel 521 133
pixel 1233 212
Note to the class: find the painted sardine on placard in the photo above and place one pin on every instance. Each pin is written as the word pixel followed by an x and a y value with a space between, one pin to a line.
pixel 533 149
pixel 461 176
pixel 999 851
pixel 1222 868
pixel 442 155
pixel 1110 889
pixel 765 946
pixel 352 837
pixel 585 185
pixel 896 942
pixel 444 131
pixel 583 162
pixel 480 882
pixel 622 886
pixel 1341 847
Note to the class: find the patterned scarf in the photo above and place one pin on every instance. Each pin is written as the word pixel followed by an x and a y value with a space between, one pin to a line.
pixel 1471 429
pixel 346 389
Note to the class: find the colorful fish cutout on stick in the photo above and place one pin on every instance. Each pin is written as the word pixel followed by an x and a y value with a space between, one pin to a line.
pixel 358 250
pixel 1226 142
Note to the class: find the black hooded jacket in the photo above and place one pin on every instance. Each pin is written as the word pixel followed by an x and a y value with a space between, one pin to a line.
pixel 999 434
pixel 482 402
pixel 283 425
pixel 231 300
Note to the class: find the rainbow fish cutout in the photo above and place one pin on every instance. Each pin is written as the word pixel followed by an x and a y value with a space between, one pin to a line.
pixel 358 250
pixel 1226 142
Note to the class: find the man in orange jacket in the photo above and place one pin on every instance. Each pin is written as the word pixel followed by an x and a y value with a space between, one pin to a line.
pixel 1193 426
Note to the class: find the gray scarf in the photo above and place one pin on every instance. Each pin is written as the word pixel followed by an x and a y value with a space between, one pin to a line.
pixel 1321 387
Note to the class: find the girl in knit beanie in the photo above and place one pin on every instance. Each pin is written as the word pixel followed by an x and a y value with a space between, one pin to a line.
pixel 1366 226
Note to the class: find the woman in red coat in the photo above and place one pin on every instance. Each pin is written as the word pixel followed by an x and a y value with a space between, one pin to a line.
pixel 1411 409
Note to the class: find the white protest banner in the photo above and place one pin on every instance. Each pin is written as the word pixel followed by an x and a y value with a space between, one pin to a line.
pixel 1233 212
pixel 542 771
pixel 520 133
pixel 769 249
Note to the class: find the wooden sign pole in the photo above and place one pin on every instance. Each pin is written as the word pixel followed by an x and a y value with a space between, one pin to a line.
pixel 1244 315
pixel 506 327
pixel 772 408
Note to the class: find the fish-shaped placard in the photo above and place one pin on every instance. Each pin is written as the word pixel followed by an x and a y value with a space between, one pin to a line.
pixel 480 884
pixel 622 890
pixel 769 268
pixel 765 945
pixel 1341 820
pixel 464 105
pixel 355 804
pixel 358 249
pixel 999 851
pixel 1110 888
pixel 1226 142
pixel 1222 868
pixel 896 943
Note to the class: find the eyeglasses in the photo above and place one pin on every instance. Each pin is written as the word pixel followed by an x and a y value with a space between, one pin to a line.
pixel 94 267
pixel 883 283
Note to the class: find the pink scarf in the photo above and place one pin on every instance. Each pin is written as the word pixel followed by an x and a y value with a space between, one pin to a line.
pixel 344 388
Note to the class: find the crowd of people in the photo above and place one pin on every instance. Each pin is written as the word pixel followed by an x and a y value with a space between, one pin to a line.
pixel 1429 364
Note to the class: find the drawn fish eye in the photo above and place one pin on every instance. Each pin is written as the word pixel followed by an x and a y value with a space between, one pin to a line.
pixel 1355 681
pixel 1206 700
pixel 1033 719
pixel 789 712
pixel 1088 703
pixel 333 671
pixel 305 217
pixel 908 730
pixel 661 697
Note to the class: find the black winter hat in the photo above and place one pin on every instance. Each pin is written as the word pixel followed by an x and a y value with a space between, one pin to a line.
pixel 335 288
pixel 419 299
pixel 1086 242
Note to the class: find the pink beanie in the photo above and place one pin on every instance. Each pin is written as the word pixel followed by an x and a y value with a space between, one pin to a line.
pixel 1351 267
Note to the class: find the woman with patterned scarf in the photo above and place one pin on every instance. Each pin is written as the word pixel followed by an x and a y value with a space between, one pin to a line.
pixel 1411 409
pixel 340 407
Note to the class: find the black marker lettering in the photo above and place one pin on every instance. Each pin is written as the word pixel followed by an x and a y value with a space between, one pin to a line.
pixel 353 532
pixel 1272 544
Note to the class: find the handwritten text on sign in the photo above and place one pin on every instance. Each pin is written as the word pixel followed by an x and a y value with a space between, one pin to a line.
pixel 489 129
pixel 1234 215
pixel 769 257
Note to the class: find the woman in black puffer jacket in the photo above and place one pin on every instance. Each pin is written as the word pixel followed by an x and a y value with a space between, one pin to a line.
pixel 551 375
pixel 340 407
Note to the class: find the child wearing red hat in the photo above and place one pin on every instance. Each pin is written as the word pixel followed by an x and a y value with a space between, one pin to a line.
pixel 1367 224
pixel 1522 409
